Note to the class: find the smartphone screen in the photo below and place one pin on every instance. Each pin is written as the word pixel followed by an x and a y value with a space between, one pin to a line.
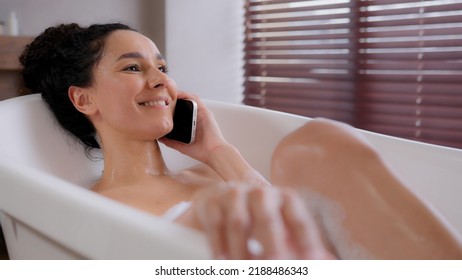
pixel 184 121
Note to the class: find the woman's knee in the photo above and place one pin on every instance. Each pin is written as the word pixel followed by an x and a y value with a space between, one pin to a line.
pixel 322 140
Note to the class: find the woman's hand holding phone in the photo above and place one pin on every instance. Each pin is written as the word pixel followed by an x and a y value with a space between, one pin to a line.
pixel 211 148
pixel 208 136
pixel 184 121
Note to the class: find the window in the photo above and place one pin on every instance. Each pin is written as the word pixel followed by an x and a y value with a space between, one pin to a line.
pixel 393 67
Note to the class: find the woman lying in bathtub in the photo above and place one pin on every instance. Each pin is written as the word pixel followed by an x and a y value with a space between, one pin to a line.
pixel 338 199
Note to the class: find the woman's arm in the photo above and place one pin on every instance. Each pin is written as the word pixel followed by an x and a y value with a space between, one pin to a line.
pixel 227 161
pixel 211 148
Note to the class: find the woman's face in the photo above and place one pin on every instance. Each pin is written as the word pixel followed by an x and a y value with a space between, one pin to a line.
pixel 133 95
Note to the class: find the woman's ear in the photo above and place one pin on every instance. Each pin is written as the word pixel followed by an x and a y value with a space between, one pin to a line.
pixel 82 100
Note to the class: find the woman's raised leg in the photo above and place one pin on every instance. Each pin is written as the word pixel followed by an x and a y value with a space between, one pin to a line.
pixel 364 210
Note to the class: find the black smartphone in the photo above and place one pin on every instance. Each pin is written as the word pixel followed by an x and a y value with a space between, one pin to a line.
pixel 184 121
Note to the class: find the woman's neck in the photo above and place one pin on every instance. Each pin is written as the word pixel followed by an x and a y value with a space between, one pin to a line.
pixel 131 163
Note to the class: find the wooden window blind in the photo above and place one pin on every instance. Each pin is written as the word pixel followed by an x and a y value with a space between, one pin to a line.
pixel 393 67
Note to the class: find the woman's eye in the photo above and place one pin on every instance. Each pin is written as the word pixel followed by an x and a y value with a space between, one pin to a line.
pixel 132 68
pixel 163 69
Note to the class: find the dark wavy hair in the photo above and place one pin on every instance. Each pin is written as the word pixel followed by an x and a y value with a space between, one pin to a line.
pixel 64 56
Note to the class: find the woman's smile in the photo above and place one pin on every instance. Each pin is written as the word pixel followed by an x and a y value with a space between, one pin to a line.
pixel 156 102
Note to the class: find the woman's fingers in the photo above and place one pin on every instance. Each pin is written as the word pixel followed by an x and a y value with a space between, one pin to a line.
pixel 303 230
pixel 267 224
pixel 225 220
pixel 283 225
pixel 298 222
pixel 277 219
pixel 211 216
pixel 237 223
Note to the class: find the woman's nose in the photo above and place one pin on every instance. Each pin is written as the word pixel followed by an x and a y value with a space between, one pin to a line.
pixel 158 79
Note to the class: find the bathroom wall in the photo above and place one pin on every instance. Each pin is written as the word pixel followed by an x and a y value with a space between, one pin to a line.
pixel 204 41
pixel 201 39
pixel 35 15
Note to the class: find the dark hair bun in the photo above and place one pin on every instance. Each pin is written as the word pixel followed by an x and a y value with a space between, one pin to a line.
pixel 64 56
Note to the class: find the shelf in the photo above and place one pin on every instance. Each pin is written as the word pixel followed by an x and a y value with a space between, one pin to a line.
pixel 10 49
pixel 11 84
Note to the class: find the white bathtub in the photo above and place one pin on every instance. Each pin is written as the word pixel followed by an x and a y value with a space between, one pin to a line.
pixel 47 212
